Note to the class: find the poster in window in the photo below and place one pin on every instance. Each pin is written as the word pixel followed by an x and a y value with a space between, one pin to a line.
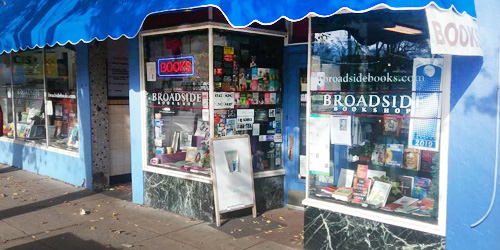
pixel 319 150
pixel 426 111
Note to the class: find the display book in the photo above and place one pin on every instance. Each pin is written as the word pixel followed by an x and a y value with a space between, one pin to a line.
pixel 372 188
pixel 178 152
pixel 247 101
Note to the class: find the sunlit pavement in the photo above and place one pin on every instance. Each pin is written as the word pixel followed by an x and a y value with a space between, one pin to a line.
pixel 40 213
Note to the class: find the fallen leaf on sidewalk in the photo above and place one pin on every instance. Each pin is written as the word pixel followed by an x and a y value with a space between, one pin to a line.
pixel 3 195
pixel 84 212
pixel 127 245
pixel 24 191
pixel 281 218
pixel 92 228
pixel 10 178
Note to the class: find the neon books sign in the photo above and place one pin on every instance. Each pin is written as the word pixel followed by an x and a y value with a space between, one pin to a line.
pixel 182 66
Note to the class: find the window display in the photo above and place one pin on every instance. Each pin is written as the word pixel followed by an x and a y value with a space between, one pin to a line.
pixel 29 95
pixel 176 68
pixel 60 72
pixel 248 87
pixel 375 113
pixel 6 115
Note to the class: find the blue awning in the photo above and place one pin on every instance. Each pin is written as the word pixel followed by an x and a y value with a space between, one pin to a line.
pixel 27 23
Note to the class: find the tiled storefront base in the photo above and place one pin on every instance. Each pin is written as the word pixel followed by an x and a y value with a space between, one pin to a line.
pixel 328 230
pixel 195 199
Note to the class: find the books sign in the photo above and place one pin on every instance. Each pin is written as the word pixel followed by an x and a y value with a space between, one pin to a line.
pixel 453 34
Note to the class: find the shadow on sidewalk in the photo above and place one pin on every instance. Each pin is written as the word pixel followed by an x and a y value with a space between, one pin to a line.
pixel 11 212
pixel 62 241
pixel 8 169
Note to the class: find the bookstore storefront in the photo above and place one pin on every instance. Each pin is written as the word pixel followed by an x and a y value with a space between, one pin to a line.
pixel 378 104
pixel 39 113
pixel 204 82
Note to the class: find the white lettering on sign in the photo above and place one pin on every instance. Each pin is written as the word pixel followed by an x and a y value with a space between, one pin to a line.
pixel 176 98
pixel 453 34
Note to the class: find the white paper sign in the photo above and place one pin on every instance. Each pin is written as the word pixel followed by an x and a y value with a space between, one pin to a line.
pixel 453 34
pixel 224 100
pixel 341 130
pixel 244 119
pixel 205 115
pixel 319 148
pixel 151 71
pixel 245 112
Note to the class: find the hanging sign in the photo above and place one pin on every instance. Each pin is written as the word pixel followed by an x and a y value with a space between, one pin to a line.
pixel 182 66
pixel 426 117
pixel 453 34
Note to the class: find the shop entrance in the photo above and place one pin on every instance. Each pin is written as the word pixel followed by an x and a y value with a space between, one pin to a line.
pixel 295 91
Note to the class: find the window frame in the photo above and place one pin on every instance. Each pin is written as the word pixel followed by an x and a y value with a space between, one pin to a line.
pixel 440 227
pixel 46 145
pixel 210 26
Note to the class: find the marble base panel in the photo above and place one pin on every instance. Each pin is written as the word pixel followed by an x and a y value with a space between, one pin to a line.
pixel 328 230
pixel 181 196
pixel 195 199
pixel 269 193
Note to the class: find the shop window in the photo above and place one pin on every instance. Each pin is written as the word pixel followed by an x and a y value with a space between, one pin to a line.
pixel 248 93
pixel 176 77
pixel 375 113
pixel 60 73
pixel 29 96
pixel 6 110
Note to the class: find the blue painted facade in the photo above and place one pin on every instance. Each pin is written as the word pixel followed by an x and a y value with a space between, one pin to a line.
pixel 70 168
pixel 135 126
pixel 471 145
pixel 472 140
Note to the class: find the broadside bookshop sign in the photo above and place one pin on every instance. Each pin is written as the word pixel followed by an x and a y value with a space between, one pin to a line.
pixel 395 104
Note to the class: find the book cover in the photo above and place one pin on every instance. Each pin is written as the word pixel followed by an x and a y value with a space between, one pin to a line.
pixel 236 98
pixel 426 160
pixel 255 97
pixel 343 194
pixel 406 185
pixel 379 194
pixel 329 189
pixel 378 155
pixel 345 178
pixel 267 98
pixel 272 99
pixel 392 126
pixel 421 187
pixel 391 207
pixel 424 204
pixel 243 99
pixel 361 184
pixel 411 159
pixel 394 155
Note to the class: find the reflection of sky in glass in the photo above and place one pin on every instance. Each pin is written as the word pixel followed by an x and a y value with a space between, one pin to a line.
pixel 335 44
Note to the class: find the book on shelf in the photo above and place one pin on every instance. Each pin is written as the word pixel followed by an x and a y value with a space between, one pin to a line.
pixel 411 159
pixel 379 194
pixel 345 178
pixel 329 189
pixel 426 160
pixel 361 185
pixel 406 185
pixel 185 140
pixel 378 155
pixel 392 126
pixel 394 155
pixel 400 204
pixel 421 187
pixel 343 194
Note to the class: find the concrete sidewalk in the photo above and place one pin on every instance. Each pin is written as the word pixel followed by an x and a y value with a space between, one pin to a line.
pixel 37 212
